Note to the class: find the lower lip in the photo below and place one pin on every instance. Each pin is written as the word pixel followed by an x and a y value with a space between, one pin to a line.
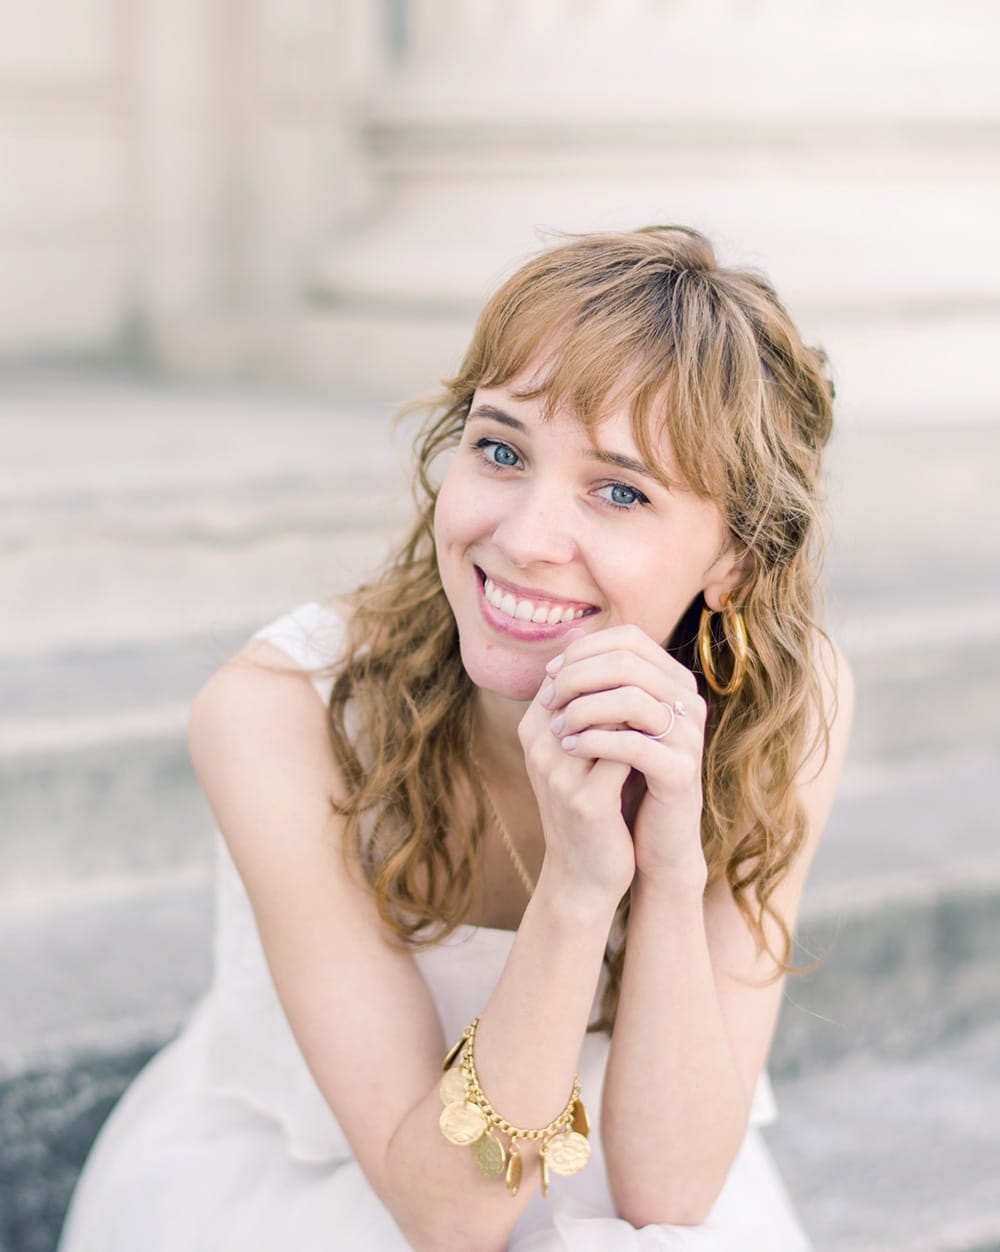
pixel 528 632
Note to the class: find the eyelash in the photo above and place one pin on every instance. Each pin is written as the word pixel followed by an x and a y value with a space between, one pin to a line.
pixel 482 445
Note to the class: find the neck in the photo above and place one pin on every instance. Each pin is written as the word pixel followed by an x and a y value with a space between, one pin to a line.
pixel 495 741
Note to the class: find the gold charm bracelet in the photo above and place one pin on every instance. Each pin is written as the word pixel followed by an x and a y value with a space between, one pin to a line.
pixel 470 1120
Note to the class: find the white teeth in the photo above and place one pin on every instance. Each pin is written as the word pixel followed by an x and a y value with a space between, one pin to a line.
pixel 527 610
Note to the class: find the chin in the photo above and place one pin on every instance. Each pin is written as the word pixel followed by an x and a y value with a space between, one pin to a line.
pixel 495 670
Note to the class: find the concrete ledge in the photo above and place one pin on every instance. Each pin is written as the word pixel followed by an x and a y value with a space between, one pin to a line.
pixel 48 1120
pixel 894 981
pixel 893 1156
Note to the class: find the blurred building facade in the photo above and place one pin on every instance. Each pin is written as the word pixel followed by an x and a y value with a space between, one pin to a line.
pixel 322 191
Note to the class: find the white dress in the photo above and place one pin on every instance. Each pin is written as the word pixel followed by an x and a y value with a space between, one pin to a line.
pixel 223 1143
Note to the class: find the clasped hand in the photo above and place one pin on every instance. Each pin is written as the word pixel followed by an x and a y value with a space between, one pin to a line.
pixel 616 803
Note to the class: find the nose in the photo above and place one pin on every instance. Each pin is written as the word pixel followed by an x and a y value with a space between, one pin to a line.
pixel 537 528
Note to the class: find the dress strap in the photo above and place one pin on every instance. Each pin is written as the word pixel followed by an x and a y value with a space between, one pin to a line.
pixel 313 636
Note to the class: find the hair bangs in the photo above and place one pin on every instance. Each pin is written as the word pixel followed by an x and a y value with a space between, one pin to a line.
pixel 589 358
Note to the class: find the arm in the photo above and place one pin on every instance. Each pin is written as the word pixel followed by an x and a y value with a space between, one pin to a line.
pixel 356 1002
pixel 697 1009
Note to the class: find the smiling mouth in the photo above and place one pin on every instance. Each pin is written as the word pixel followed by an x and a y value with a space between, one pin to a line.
pixel 523 609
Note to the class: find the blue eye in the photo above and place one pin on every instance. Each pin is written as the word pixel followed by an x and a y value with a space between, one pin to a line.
pixel 496 454
pixel 622 496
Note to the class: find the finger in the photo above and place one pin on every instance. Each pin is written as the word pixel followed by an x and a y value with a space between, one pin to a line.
pixel 622 639
pixel 629 708
pixel 543 754
pixel 618 671
pixel 659 763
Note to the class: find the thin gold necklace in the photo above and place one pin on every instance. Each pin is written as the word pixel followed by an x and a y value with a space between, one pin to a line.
pixel 515 857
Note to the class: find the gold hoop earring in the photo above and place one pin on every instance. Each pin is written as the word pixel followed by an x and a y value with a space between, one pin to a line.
pixel 735 631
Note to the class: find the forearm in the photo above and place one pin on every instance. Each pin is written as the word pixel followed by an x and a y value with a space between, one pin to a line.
pixel 675 1106
pixel 527 1052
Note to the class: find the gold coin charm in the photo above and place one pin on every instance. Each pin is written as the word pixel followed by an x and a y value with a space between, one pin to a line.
pixel 449 1060
pixel 545 1175
pixel 490 1155
pixel 580 1121
pixel 566 1153
pixel 452 1087
pixel 462 1123
pixel 515 1167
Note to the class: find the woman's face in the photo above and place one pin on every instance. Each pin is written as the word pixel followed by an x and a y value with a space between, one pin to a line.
pixel 538 530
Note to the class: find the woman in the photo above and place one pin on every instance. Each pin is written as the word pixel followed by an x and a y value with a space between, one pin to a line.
pixel 556 805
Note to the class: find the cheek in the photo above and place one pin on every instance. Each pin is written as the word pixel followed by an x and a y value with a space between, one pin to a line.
pixel 459 515
pixel 447 513
pixel 648 587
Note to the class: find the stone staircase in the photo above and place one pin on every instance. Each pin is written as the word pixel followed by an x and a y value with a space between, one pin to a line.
pixel 146 530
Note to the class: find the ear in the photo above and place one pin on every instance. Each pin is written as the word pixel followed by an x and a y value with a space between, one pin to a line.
pixel 726 574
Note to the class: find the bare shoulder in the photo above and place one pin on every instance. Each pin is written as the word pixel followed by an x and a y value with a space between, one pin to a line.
pixel 259 692
pixel 258 741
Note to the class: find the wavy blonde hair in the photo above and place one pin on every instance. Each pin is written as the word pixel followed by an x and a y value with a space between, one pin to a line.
pixel 708 356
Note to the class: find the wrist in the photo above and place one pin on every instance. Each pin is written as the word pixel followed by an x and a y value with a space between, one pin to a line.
pixel 673 885
pixel 575 903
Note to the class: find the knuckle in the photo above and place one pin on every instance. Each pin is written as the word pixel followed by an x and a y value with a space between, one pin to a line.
pixel 626 662
pixel 535 754
pixel 578 804
pixel 684 770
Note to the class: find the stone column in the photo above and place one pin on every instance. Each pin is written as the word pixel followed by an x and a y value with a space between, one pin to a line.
pixel 185 67
pixel 252 163
pixel 64 207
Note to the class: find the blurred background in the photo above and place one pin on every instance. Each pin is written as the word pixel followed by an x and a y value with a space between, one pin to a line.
pixel 233 237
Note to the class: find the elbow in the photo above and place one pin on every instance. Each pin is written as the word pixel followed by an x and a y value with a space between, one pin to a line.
pixel 660 1216
pixel 664 1212
pixel 679 1201
pixel 439 1239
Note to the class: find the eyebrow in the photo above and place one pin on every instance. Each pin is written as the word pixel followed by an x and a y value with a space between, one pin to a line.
pixel 629 463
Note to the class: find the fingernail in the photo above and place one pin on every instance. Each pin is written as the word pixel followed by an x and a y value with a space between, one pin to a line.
pixel 576 633
pixel 548 691
pixel 555 665
pixel 569 743
pixel 558 724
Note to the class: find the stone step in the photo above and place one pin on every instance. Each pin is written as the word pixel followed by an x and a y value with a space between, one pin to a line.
pixel 95 780
pixel 892 976
pixel 902 955
pixel 133 514
pixel 886 1155
pixel 134 511
pixel 104 970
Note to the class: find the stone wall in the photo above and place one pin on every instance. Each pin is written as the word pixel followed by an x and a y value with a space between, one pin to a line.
pixel 322 193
